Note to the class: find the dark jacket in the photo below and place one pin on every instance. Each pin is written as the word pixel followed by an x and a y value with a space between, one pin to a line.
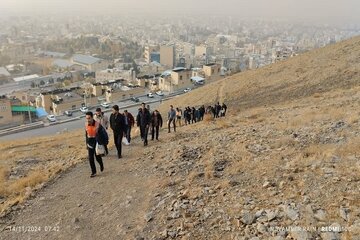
pixel 143 118
pixel 130 119
pixel 101 138
pixel 156 120
pixel 117 122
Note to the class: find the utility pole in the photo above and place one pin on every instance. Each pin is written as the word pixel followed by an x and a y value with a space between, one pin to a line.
pixel 29 111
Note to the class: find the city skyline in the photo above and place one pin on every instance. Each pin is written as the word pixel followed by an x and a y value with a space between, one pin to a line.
pixel 334 11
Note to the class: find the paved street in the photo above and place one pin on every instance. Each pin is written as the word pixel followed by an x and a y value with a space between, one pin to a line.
pixel 79 123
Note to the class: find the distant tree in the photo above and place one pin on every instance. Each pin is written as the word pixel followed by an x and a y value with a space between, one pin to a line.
pixel 42 83
pixel 71 51
pixel 67 83
pixel 32 85
pixel 135 67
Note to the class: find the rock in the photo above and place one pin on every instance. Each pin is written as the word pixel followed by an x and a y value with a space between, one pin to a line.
pixel 238 237
pixel 320 215
pixel 266 184
pixel 301 235
pixel 291 213
pixel 247 218
pixel 330 236
pixel 172 234
pixel 271 215
pixel 175 215
pixel 76 220
pixel 277 238
pixel 164 233
pixel 261 228
pixel 27 192
pixel 335 227
pixel 344 213
pixel 149 216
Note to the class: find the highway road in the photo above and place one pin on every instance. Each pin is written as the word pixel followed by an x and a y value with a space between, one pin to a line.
pixel 10 87
pixel 79 123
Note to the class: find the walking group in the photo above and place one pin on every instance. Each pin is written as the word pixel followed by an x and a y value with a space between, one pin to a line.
pixel 121 124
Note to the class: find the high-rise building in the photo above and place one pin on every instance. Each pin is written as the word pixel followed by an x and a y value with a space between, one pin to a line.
pixel 202 51
pixel 167 55
pixel 148 51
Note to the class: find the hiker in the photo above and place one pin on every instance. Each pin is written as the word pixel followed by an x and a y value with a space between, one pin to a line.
pixel 171 118
pixel 117 124
pixel 156 123
pixel 188 115
pixel 129 123
pixel 104 121
pixel 94 134
pixel 217 110
pixel 178 116
pixel 197 115
pixel 143 122
pixel 193 115
pixel 201 112
pixel 223 108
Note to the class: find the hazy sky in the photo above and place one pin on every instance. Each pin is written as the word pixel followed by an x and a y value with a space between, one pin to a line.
pixel 317 10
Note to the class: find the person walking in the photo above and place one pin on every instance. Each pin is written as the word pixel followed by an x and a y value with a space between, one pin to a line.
pixel 178 116
pixel 171 118
pixel 104 121
pixel 223 108
pixel 129 122
pixel 193 115
pixel 117 124
pixel 143 122
pixel 156 123
pixel 94 134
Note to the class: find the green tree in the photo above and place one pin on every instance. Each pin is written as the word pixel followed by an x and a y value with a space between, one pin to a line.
pixel 135 67
pixel 67 83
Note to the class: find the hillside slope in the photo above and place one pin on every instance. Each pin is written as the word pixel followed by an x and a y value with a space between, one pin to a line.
pixel 329 68
pixel 283 164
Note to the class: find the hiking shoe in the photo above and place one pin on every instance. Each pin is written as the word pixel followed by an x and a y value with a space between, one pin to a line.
pixel 102 168
pixel 93 175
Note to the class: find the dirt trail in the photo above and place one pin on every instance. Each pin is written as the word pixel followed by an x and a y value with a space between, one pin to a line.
pixel 109 206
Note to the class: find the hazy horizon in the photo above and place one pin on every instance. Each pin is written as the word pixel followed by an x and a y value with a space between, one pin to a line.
pixel 333 11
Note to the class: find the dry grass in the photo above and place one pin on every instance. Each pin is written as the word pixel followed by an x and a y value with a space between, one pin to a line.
pixel 4 173
pixel 208 117
pixel 320 151
pixel 17 191
pixel 350 148
pixel 52 154
pixel 223 123
pixel 34 178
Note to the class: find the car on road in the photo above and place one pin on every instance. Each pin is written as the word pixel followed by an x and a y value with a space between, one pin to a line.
pixel 68 113
pixel 51 118
pixel 150 95
pixel 84 109
pixel 187 89
pixel 159 93
pixel 135 99
pixel 105 105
